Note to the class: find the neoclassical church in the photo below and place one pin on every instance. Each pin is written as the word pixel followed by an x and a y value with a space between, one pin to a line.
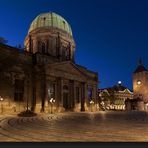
pixel 45 72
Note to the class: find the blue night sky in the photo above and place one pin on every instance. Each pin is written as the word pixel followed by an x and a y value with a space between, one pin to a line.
pixel 111 35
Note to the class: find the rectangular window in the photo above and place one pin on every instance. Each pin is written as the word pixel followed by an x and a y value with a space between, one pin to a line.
pixel 68 54
pixel 64 53
pixel 19 90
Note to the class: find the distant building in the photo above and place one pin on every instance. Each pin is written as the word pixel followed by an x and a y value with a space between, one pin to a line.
pixel 114 97
pixel 140 89
pixel 44 76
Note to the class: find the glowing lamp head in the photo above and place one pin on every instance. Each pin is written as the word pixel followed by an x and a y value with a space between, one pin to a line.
pixel 119 82
pixel 91 102
pixel 52 100
pixel 139 82
pixel 1 99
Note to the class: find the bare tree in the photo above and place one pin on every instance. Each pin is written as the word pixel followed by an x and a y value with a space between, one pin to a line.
pixel 3 40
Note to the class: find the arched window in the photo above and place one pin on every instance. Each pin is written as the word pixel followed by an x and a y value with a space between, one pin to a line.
pixel 64 54
pixel 42 47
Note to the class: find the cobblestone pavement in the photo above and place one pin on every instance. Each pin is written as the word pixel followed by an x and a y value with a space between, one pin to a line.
pixel 76 127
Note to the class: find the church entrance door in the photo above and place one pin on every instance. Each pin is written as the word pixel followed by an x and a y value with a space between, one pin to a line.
pixel 66 99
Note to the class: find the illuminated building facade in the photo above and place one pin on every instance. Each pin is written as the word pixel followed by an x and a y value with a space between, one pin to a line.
pixel 45 72
pixel 114 97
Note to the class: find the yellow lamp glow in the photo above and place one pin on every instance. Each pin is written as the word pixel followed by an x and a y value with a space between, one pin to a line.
pixel 139 82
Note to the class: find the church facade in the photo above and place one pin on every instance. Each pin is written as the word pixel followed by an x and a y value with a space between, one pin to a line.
pixel 45 74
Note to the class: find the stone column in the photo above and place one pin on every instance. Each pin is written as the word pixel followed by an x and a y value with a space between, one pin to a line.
pixel 83 96
pixel 33 102
pixel 60 94
pixel 71 94
pixel 86 97
pixel 26 93
pixel 46 106
pixel 43 92
pixel 95 97
pixel 56 94
pixel 28 101
pixel 74 94
pixel 57 91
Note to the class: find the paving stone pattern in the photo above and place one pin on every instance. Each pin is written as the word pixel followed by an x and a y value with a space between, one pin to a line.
pixel 76 127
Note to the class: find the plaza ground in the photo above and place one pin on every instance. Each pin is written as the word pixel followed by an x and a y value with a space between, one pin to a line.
pixel 76 127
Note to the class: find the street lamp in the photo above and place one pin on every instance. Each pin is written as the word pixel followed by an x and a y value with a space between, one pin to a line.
pixel 91 104
pixel 52 101
pixel 119 82
pixel 1 100
pixel 139 82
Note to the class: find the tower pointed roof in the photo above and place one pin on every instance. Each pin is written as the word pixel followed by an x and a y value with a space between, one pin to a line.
pixel 140 67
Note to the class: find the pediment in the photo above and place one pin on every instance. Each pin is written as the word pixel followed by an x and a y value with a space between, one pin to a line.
pixel 66 69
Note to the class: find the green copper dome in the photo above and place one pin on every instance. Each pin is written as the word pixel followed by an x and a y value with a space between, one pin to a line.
pixel 50 19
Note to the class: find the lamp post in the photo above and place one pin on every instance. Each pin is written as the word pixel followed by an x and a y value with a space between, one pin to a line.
pixel 91 104
pixel 1 100
pixel 52 101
